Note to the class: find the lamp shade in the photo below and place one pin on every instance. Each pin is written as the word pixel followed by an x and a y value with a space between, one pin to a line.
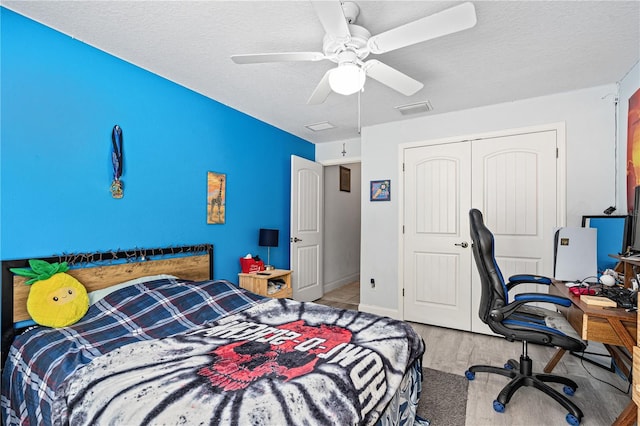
pixel 347 78
pixel 268 238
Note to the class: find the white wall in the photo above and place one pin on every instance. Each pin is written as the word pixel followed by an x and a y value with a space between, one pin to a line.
pixel 341 228
pixel 341 152
pixel 341 213
pixel 589 116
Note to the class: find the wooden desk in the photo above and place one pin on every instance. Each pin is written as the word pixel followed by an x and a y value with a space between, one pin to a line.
pixel 610 326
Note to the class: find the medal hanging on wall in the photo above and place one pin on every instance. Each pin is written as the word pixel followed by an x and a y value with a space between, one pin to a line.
pixel 117 190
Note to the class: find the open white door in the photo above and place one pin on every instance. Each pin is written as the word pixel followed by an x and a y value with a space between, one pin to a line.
pixel 306 229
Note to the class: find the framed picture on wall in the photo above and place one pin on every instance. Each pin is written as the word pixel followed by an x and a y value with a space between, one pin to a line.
pixel 345 179
pixel 380 190
pixel 216 195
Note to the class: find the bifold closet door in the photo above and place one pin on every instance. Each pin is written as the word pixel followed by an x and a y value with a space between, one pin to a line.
pixel 437 262
pixel 514 183
pixel 512 180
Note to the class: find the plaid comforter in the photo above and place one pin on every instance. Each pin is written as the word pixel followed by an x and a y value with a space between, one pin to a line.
pixel 280 362
pixel 42 358
pixel 189 352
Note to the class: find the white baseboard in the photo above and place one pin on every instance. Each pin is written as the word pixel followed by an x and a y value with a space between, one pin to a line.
pixel 327 287
pixel 385 312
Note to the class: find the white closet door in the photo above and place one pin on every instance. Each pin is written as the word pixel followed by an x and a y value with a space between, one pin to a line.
pixel 437 266
pixel 512 179
pixel 514 185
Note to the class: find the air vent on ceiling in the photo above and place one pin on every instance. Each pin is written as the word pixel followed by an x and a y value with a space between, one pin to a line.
pixel 415 108
pixel 317 127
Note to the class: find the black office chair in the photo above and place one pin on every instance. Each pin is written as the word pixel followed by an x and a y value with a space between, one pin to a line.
pixel 517 321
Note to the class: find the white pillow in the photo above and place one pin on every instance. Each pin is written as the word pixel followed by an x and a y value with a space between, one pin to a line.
pixel 96 295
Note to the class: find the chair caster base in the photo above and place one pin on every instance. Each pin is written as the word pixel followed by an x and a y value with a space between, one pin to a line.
pixel 521 375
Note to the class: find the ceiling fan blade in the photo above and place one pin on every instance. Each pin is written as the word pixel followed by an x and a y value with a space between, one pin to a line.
pixel 321 91
pixel 392 77
pixel 332 19
pixel 259 58
pixel 448 21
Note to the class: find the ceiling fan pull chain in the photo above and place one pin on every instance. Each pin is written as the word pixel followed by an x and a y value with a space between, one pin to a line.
pixel 359 118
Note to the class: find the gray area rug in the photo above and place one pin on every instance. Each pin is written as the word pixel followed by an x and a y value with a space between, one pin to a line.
pixel 444 398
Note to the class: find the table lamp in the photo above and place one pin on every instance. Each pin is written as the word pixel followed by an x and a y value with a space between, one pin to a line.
pixel 268 238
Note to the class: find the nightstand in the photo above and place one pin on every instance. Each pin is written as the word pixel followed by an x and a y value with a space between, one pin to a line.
pixel 258 282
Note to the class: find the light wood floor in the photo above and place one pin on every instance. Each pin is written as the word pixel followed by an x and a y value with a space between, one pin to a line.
pixel 454 351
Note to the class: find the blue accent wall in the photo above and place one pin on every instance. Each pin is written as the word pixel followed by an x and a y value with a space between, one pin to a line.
pixel 60 99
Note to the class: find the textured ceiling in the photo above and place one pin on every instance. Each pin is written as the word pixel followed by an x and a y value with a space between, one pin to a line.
pixel 517 50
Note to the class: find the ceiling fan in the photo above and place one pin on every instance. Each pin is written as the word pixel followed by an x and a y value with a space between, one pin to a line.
pixel 348 44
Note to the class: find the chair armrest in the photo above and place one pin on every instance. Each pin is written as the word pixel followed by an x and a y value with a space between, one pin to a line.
pixel 527 279
pixel 547 298
pixel 500 314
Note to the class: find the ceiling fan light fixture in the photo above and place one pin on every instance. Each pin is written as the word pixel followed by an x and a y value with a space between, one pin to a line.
pixel 347 79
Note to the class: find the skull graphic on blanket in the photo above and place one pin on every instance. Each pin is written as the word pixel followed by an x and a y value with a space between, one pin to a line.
pixel 286 352
pixel 279 362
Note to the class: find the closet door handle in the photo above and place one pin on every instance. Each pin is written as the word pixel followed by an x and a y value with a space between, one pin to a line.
pixel 295 239
pixel 463 244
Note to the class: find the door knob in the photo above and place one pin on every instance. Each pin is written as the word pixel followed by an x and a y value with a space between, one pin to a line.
pixel 295 239
pixel 463 244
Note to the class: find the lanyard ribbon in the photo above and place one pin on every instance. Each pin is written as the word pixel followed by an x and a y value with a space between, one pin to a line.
pixel 116 153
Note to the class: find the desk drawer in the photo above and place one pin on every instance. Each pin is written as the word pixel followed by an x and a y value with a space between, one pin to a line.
pixel 596 328
pixel 576 318
pixel 600 330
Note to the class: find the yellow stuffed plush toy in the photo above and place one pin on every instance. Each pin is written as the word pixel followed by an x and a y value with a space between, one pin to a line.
pixel 55 299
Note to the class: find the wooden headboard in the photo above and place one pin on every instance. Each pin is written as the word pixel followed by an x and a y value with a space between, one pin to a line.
pixel 101 270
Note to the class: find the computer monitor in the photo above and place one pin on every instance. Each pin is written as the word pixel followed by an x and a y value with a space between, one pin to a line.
pixel 613 233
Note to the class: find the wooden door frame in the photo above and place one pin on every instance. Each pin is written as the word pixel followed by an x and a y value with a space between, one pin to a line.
pixel 561 182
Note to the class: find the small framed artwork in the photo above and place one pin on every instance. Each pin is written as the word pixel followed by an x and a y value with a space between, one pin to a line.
pixel 216 195
pixel 380 190
pixel 345 179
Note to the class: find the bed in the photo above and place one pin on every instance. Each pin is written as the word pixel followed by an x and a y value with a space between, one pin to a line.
pixel 163 343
